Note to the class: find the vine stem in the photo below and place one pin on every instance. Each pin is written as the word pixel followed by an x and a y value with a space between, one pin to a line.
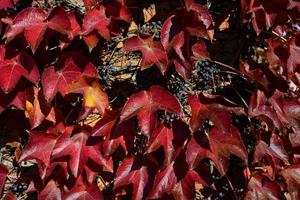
pixel 277 35
pixel 231 187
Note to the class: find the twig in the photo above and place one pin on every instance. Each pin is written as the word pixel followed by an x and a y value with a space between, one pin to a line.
pixel 276 34
pixel 244 102
pixel 227 66
pixel 231 187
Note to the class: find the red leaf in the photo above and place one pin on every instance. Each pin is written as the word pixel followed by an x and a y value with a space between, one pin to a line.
pixel 163 136
pixel 11 70
pixel 185 189
pixel 39 147
pixel 37 108
pixel 74 26
pixel 73 143
pixel 93 95
pixel 15 98
pixel 152 51
pixel 201 11
pixel 182 65
pixel 118 10
pixel 83 192
pixel 275 150
pixel 199 51
pixel 59 81
pixel 291 176
pixel 96 20
pixel 4 4
pixel 262 20
pixel 214 108
pixel 262 189
pixel 293 60
pixel 3 176
pixel 138 178
pixel 224 144
pixel 115 134
pixel 50 192
pixel 34 23
pixel 195 153
pixel 164 182
pixel 278 111
pixel 144 104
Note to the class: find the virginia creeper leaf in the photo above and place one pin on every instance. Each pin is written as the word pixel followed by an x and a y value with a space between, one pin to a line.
pixel 144 104
pixel 152 51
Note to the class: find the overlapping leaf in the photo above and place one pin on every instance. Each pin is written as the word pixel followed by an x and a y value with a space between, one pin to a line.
pixel 126 174
pixel 54 81
pixel 11 70
pixel 152 51
pixel 213 108
pixel 34 23
pixel 144 104
pixel 73 143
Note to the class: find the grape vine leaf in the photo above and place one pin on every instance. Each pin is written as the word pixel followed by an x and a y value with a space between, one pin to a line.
pixel 34 23
pixel 202 12
pixel 126 174
pixel 54 81
pixel 11 70
pixel 197 150
pixel 152 51
pixel 144 104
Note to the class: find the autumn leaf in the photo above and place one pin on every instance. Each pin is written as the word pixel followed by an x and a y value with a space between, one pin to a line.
pixel 137 177
pixel 37 108
pixel 214 108
pixel 93 95
pixel 54 81
pixel 16 98
pixel 50 192
pixel 3 176
pixel 73 143
pixel 152 51
pixel 261 188
pixel 96 20
pixel 164 182
pixel 82 192
pixel 11 70
pixel 4 4
pixel 144 104
pixel 118 10
pixel 224 144
pixel 34 23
